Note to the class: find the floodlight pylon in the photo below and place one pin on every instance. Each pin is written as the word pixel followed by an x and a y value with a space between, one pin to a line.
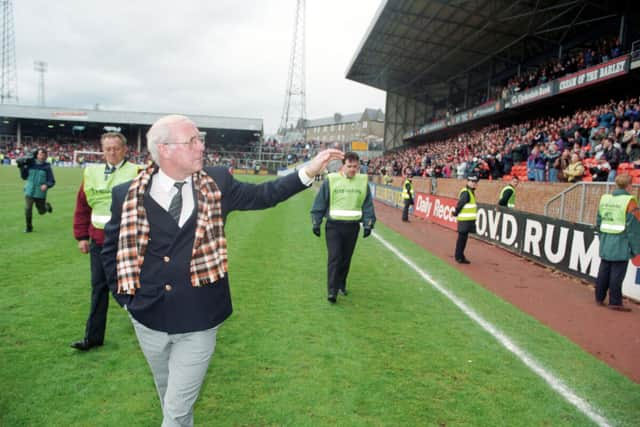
pixel 294 112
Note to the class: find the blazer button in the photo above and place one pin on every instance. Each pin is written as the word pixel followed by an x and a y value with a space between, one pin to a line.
pixel 168 287
pixel 166 259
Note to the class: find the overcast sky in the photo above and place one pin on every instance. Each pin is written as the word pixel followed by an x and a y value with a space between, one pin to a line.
pixel 217 57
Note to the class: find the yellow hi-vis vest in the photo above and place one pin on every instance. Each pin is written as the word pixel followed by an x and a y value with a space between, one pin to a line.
pixel 406 195
pixel 470 210
pixel 97 188
pixel 613 213
pixel 346 196
pixel 511 203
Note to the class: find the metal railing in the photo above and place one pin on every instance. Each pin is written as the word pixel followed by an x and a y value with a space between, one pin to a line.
pixel 579 203
pixel 635 50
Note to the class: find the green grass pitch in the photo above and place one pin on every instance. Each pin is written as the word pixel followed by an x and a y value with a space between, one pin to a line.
pixel 395 352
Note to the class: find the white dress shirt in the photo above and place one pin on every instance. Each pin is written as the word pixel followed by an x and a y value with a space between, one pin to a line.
pixel 304 178
pixel 162 191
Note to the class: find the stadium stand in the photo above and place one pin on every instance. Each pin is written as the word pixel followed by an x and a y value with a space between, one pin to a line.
pixel 535 150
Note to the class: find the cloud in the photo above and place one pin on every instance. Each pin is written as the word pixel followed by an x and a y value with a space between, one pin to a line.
pixel 223 57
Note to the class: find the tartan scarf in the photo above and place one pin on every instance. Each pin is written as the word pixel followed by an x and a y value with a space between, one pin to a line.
pixel 209 253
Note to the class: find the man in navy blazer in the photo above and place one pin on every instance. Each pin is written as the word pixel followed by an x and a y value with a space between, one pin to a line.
pixel 165 254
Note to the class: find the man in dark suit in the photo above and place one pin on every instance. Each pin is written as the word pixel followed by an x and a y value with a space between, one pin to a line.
pixel 165 254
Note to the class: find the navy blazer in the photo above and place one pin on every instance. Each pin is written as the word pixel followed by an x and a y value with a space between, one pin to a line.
pixel 166 300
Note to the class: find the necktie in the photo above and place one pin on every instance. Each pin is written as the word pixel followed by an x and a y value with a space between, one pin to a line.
pixel 175 208
pixel 108 170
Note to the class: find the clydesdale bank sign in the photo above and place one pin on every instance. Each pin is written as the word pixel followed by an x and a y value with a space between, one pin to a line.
pixel 569 247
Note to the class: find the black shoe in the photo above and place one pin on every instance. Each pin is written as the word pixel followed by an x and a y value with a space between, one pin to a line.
pixel 343 292
pixel 49 208
pixel 28 230
pixel 84 345
pixel 619 308
pixel 463 261
pixel 332 298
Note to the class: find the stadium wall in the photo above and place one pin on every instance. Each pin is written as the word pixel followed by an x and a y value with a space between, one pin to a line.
pixel 531 196
pixel 562 245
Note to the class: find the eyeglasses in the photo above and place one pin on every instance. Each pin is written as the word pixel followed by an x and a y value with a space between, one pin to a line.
pixel 191 143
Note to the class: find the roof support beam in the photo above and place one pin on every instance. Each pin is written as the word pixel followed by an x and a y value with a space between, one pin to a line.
pixel 427 20
pixel 573 21
pixel 452 51
pixel 426 44
pixel 569 4
pixel 588 21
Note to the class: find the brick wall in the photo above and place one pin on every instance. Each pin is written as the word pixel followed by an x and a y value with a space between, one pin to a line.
pixel 530 196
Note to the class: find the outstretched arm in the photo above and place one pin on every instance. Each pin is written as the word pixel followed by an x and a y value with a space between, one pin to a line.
pixel 238 195
pixel 321 160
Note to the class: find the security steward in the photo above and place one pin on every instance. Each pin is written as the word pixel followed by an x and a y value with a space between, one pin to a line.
pixel 345 199
pixel 466 212
pixel 618 222
pixel 407 196
pixel 508 194
pixel 93 210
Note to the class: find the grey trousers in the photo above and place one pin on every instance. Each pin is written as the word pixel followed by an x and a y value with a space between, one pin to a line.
pixel 178 363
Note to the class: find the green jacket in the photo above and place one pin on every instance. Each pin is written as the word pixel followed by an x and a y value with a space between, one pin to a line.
pixel 622 246
pixel 36 175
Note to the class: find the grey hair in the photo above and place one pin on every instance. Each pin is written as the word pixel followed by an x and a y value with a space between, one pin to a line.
pixel 160 133
pixel 118 135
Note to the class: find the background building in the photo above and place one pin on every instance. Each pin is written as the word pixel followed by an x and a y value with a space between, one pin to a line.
pixel 366 129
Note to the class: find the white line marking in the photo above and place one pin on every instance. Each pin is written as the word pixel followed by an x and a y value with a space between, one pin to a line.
pixel 528 360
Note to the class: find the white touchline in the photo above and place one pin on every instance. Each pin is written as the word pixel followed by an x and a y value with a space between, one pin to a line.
pixel 528 360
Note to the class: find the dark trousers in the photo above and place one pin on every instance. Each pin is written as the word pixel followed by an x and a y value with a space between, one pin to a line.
pixel 405 210
pixel 461 243
pixel 341 241
pixel 610 277
pixel 97 321
pixel 41 205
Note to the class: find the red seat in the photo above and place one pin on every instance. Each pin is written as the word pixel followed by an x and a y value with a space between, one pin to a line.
pixel 624 167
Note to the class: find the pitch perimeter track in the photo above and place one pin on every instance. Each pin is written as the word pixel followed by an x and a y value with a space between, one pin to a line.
pixel 557 300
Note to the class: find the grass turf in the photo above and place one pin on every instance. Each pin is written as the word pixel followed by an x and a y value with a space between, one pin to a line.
pixel 393 352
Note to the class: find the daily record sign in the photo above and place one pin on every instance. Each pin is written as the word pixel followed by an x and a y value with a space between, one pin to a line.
pixel 436 209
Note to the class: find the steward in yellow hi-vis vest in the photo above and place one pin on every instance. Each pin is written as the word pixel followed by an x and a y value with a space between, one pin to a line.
pixel 618 225
pixel 408 196
pixel 345 200
pixel 508 194
pixel 93 210
pixel 346 196
pixel 466 212
pixel 98 182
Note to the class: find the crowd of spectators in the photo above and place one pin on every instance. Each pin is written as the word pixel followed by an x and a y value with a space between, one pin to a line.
pixel 61 152
pixel 574 60
pixel 554 149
